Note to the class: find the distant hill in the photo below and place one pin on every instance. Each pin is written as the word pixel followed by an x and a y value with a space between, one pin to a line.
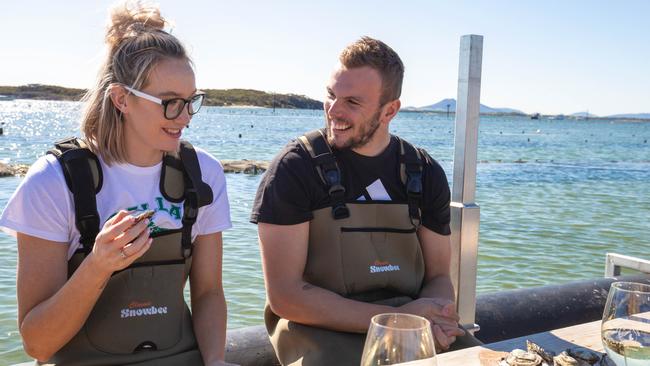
pixel 214 97
pixel 42 92
pixel 633 116
pixel 583 114
pixel 441 106
pixel 234 97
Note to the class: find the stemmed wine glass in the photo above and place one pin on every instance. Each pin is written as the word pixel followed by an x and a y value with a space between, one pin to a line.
pixel 399 339
pixel 625 328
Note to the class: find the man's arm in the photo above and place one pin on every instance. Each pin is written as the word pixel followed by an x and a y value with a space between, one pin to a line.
pixel 436 250
pixel 284 255
pixel 437 286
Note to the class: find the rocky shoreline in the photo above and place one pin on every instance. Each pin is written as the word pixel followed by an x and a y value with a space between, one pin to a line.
pixel 229 166
pixel 9 170
pixel 245 166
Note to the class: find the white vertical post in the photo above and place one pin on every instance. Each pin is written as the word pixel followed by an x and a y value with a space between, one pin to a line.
pixel 465 216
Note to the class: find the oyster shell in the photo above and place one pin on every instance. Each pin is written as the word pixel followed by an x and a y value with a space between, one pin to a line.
pixel 563 359
pixel 519 357
pixel 544 354
pixel 585 354
pixel 538 356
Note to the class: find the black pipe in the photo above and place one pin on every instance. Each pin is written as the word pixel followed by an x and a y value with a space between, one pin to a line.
pixel 501 315
pixel 514 313
pixel 250 346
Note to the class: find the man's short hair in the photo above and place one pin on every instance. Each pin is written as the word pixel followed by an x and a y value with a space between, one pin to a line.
pixel 379 56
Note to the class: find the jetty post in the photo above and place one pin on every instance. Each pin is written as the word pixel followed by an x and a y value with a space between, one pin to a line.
pixel 465 213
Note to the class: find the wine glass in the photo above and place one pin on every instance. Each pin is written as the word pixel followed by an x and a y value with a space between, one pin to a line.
pixel 625 328
pixel 399 339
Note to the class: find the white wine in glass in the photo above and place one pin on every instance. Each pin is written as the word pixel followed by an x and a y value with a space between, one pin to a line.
pixel 625 328
pixel 399 339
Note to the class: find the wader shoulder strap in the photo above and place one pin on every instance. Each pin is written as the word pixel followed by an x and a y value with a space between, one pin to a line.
pixel 83 175
pixel 411 176
pixel 181 179
pixel 328 170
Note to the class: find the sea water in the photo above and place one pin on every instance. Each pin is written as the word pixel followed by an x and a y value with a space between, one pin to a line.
pixel 554 195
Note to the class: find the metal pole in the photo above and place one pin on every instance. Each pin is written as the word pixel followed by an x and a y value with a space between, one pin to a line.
pixel 465 216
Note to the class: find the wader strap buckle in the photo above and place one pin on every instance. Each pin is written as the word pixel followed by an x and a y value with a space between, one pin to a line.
pixel 190 212
pixel 411 174
pixel 337 193
pixel 340 211
pixel 414 196
pixel 315 143
pixel 87 226
pixel 414 185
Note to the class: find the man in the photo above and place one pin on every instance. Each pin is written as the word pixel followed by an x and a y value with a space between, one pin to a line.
pixel 353 222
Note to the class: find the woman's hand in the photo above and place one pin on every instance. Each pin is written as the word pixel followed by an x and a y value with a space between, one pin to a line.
pixel 52 308
pixel 120 243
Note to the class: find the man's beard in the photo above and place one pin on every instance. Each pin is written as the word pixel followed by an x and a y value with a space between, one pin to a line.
pixel 368 129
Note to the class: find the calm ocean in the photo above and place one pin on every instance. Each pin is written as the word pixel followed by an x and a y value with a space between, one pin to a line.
pixel 555 195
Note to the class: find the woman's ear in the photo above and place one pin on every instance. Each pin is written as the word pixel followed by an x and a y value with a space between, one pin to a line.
pixel 118 96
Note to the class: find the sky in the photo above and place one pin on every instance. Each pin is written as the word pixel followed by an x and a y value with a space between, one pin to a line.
pixel 553 57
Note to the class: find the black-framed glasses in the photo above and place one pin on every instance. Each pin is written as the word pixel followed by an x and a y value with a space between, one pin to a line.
pixel 173 107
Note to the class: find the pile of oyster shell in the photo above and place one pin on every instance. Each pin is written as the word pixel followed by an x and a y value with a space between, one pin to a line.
pixel 537 356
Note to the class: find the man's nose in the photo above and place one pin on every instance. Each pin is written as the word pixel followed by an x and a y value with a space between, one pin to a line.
pixel 334 109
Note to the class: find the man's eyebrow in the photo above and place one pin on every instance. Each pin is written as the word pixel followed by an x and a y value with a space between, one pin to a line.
pixel 351 97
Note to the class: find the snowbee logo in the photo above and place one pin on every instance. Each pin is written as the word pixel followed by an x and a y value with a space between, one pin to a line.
pixel 136 309
pixel 380 266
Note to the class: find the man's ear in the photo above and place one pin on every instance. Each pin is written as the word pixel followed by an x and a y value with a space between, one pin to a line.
pixel 118 96
pixel 390 110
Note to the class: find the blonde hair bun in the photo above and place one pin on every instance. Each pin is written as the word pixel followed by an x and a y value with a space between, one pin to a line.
pixel 129 18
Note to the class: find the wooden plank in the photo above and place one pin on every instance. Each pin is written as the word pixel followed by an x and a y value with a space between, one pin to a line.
pixel 583 335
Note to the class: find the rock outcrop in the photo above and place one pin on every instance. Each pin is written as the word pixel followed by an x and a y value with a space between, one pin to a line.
pixel 229 166
pixel 8 170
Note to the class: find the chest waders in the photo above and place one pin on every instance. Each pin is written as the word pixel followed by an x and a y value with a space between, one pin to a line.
pixel 141 317
pixel 362 250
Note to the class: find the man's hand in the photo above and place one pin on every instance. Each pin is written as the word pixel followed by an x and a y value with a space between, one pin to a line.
pixel 442 315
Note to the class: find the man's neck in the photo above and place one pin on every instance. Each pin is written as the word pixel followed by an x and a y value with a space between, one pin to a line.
pixel 375 146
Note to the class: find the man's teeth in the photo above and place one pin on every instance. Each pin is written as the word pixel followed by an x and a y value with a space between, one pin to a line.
pixel 340 127
pixel 172 130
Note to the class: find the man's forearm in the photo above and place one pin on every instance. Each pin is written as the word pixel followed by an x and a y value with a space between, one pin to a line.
pixel 439 287
pixel 311 305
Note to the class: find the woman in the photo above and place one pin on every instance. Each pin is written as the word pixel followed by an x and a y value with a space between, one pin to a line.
pixel 114 294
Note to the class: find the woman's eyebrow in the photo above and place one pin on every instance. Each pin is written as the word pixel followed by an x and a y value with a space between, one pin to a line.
pixel 174 94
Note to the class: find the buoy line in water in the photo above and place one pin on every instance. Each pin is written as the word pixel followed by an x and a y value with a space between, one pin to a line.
pixel 246 166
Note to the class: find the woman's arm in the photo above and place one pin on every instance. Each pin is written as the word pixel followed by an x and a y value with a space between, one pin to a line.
pixel 208 301
pixel 51 308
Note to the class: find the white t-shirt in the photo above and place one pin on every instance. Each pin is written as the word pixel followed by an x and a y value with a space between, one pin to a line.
pixel 42 205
